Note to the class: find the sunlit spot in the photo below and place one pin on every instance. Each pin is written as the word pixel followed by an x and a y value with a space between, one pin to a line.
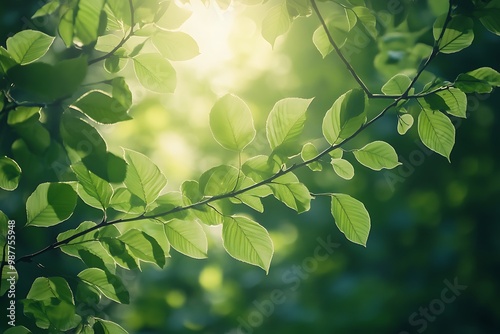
pixel 211 278
pixel 175 298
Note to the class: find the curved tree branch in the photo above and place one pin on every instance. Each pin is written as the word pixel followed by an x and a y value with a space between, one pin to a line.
pixel 122 42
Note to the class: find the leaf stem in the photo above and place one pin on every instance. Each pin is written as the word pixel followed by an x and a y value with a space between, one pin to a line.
pixel 122 42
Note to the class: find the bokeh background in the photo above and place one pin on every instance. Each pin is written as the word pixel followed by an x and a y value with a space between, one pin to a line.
pixel 434 224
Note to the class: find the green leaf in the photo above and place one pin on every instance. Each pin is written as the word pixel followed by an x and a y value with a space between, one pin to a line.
pixel 286 121
pixel 343 168
pixel 66 25
pixel 275 23
pixel 28 45
pixel 458 34
pixel 25 120
pixel 144 179
pixel 260 167
pixel 175 45
pixel 291 192
pixel 108 284
pixel 481 80
pixel 144 247
pixel 17 330
pixel 219 180
pixel 298 8
pixel 377 155
pixel 231 123
pixel 80 139
pixel 166 203
pixel 54 299
pixel 47 9
pixel 121 92
pixel 338 24
pixel 102 326
pixel 86 24
pixel 351 218
pixel 187 238
pixel 124 201
pixel 345 117
pixel 54 287
pixel 247 241
pixel 490 16
pixel 101 107
pixel 452 100
pixel 93 190
pixel 10 173
pixel 405 122
pixel 367 19
pixel 436 132
pixel 396 85
pixel 86 243
pixel 173 17
pixel 120 251
pixel 44 83
pixel 309 151
pixel 50 204
pixel 155 73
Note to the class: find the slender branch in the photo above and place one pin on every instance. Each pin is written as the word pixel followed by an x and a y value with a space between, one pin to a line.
pixel 337 50
pixel 122 42
pixel 435 50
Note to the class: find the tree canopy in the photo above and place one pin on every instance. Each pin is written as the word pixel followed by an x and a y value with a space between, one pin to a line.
pixel 283 134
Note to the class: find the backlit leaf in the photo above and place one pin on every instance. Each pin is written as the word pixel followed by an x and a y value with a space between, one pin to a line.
pixel 351 218
pixel 231 123
pixel 247 241
pixel 187 238
pixel 110 285
pixel 377 155
pixel 436 132
pixel 155 73
pixel 28 45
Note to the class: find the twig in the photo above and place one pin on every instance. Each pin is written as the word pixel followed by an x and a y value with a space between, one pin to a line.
pixel 123 41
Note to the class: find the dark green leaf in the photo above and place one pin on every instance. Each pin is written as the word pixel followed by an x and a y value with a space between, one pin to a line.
pixel 50 204
pixel 481 80
pixel 40 82
pixel 101 107
pixel 10 173
pixel 110 285
pixel 144 247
